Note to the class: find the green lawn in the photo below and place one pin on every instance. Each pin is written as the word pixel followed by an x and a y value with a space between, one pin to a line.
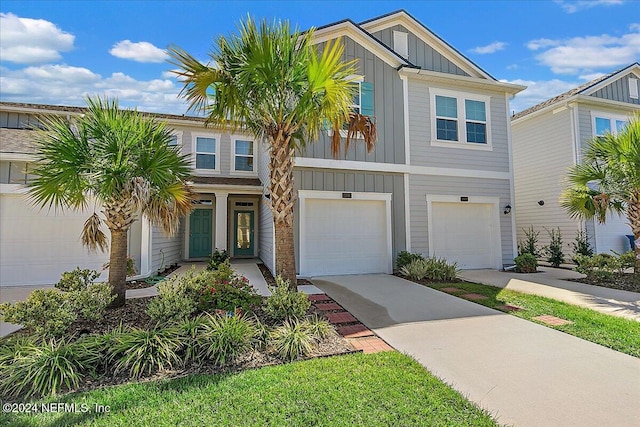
pixel 380 389
pixel 610 331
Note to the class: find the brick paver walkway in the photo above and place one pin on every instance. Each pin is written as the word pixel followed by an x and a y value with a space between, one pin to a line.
pixel 359 336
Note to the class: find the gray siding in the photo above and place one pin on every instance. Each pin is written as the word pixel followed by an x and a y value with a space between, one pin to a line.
pixel 420 53
pixel 421 185
pixel 223 157
pixel 14 120
pixel 542 154
pixel 618 90
pixel 265 218
pixel 388 110
pixel 166 250
pixel 423 154
pixel 329 180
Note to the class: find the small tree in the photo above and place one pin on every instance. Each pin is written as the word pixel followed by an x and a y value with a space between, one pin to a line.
pixel 609 180
pixel 581 244
pixel 553 250
pixel 530 243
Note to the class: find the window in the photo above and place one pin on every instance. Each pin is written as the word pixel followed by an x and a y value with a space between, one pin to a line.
pixel 15 172
pixel 244 155
pixel 401 43
pixel 604 123
pixel 173 142
pixel 633 88
pixel 460 118
pixel 356 105
pixel 206 153
pixel 362 103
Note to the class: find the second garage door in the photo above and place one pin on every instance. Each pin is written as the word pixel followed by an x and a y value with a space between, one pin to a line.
pixel 344 236
pixel 465 233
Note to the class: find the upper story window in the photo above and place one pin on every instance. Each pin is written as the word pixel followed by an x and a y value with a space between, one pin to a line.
pixel 244 154
pixel 206 149
pixel 362 102
pixel 605 123
pixel 401 43
pixel 460 118
pixel 15 172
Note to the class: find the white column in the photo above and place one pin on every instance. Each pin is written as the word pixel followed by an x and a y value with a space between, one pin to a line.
pixel 221 220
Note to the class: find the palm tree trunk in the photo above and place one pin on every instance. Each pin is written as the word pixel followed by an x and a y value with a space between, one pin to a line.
pixel 118 266
pixel 633 214
pixel 283 199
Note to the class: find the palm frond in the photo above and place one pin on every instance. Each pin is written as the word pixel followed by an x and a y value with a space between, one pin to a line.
pixel 92 236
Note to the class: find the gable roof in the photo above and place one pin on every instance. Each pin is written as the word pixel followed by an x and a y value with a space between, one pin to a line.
pixel 404 18
pixel 347 27
pixel 584 89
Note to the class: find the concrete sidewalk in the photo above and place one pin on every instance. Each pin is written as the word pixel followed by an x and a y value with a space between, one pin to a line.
pixel 552 283
pixel 525 374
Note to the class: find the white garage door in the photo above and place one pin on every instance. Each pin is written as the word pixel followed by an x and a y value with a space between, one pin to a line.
pixel 36 246
pixel 344 237
pixel 464 233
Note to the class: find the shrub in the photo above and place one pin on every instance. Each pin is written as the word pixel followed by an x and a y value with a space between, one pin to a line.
pixel 224 337
pixel 141 351
pixel 223 272
pixel 45 311
pixel 431 269
pixel 92 302
pixel 77 280
pixel 191 329
pixel 229 295
pixel 285 303
pixel 526 263
pixel 14 347
pixel 553 250
pixel 319 328
pixel 626 260
pixel 406 258
pixel 131 266
pixel 218 257
pixel 604 267
pixel 173 302
pixel 47 368
pixel 292 340
pixel 530 243
pixel 581 245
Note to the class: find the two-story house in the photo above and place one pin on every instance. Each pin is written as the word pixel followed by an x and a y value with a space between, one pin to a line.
pixel 439 181
pixel 550 137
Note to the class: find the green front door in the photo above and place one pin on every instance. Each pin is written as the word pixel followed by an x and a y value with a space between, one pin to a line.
pixel 200 233
pixel 243 234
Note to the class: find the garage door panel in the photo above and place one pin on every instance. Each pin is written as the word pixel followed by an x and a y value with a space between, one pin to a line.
pixel 464 233
pixel 344 237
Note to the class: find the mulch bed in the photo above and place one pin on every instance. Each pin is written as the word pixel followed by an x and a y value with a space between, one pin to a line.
pixel 271 281
pixel 623 282
pixel 142 284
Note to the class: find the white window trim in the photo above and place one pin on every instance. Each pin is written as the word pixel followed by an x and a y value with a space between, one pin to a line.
pixel 461 119
pixel 495 217
pixel 178 135
pixel 610 116
pixel 194 138
pixel 254 172
pixel 304 195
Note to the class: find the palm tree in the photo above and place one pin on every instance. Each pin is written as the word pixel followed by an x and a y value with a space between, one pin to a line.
pixel 274 84
pixel 119 161
pixel 609 180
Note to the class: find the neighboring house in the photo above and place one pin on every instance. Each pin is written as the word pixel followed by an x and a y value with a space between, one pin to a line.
pixel 439 181
pixel 550 137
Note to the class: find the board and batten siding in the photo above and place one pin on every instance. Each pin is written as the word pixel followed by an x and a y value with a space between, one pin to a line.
pixel 166 250
pixel 349 181
pixel 424 154
pixel 388 110
pixel 420 53
pixel 15 120
pixel 618 90
pixel 422 185
pixel 542 154
pixel 265 217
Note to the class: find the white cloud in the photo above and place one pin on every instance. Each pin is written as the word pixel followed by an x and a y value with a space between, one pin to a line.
pixel 589 77
pixel 589 53
pixel 490 48
pixel 139 51
pixel 538 91
pixel 575 6
pixel 512 67
pixel 67 85
pixel 31 41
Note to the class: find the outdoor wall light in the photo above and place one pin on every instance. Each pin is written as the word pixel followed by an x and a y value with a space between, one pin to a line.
pixel 541 202
pixel 507 209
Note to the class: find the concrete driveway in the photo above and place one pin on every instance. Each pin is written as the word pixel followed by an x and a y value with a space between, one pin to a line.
pixel 525 374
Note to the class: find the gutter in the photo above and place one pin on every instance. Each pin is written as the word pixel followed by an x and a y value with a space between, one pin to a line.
pixel 463 80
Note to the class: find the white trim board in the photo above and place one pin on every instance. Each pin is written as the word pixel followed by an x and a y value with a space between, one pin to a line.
pixel 352 165
pixel 304 195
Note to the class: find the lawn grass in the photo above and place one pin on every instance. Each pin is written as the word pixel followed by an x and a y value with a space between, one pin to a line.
pixel 380 389
pixel 617 333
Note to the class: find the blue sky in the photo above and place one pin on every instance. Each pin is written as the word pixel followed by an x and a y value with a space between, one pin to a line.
pixel 55 52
